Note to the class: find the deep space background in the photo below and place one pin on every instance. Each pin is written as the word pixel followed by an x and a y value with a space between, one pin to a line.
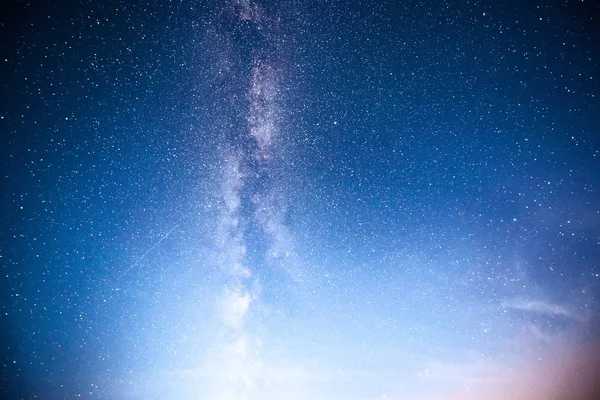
pixel 353 200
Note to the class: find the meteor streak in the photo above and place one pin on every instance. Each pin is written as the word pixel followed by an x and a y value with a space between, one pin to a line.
pixel 146 253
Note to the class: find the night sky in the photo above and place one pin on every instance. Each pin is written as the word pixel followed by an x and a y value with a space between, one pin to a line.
pixel 304 200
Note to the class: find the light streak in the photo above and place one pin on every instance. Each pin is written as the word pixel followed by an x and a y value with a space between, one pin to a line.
pixel 146 253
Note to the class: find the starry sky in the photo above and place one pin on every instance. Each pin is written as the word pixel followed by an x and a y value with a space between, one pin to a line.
pixel 341 200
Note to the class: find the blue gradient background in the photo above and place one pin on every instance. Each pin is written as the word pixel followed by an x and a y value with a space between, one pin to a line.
pixel 307 200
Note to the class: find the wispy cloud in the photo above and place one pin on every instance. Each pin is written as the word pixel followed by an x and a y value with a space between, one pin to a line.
pixel 541 307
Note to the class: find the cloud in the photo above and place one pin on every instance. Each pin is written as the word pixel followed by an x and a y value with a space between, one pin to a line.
pixel 541 307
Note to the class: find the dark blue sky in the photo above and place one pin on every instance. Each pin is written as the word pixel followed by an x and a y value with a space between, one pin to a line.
pixel 339 200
